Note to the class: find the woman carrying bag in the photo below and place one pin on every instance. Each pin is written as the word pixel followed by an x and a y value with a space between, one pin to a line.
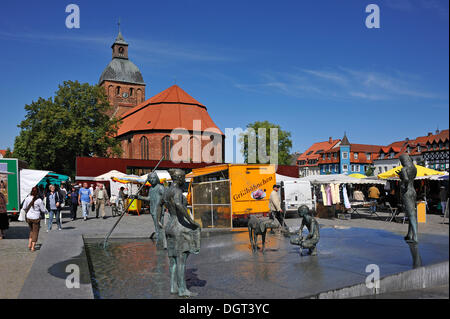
pixel 4 219
pixel 33 206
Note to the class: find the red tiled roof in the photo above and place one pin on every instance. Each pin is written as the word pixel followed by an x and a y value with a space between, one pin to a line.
pixel 401 147
pixel 3 152
pixel 310 153
pixel 365 148
pixel 170 109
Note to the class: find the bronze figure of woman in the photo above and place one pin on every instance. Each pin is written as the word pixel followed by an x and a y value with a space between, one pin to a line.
pixel 156 202
pixel 182 233
pixel 407 175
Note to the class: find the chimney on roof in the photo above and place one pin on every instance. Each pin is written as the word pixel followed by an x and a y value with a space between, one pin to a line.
pixel 407 139
pixel 330 140
pixel 429 134
pixel 437 132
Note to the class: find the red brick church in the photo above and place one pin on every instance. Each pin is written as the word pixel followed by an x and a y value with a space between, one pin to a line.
pixel 146 131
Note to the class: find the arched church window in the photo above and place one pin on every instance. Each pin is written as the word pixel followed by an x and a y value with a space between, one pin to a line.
pixel 166 147
pixel 139 95
pixel 144 148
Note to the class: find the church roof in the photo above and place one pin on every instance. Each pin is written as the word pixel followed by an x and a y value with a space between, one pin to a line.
pixel 120 39
pixel 122 70
pixel 170 109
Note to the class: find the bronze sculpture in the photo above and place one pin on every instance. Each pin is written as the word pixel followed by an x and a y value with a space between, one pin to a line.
pixel 182 234
pixel 407 175
pixel 309 242
pixel 156 202
pixel 258 226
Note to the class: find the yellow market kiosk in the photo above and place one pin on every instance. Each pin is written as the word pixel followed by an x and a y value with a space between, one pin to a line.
pixel 223 196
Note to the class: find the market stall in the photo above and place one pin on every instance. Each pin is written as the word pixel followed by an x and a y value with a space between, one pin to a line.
pixel 341 193
pixel 428 183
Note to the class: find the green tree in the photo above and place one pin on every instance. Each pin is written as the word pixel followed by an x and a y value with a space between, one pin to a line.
pixel 284 142
pixel 73 123
pixel 370 170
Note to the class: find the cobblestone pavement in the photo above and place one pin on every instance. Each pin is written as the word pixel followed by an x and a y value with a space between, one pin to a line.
pixel 16 260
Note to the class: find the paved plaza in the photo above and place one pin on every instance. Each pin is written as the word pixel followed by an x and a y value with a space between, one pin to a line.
pixel 42 274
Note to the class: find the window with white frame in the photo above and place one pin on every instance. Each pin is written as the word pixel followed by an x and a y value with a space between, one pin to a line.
pixel 336 167
pixel 355 155
pixel 344 155
pixel 345 167
pixel 353 167
pixel 368 156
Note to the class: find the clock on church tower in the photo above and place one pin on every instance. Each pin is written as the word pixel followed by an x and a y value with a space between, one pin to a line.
pixel 122 80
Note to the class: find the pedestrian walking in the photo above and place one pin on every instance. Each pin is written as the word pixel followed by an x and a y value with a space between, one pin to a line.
pixel 121 199
pixel 374 195
pixel 85 200
pixel 443 195
pixel 33 206
pixel 73 201
pixel 54 201
pixel 275 206
pixel 100 199
pixel 63 192
pixel 4 219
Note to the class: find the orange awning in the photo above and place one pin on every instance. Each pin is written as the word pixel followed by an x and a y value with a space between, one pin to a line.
pixel 207 170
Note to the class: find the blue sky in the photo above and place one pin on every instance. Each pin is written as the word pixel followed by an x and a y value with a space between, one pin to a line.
pixel 310 66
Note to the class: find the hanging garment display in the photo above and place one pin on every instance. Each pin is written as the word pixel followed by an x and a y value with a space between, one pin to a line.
pixel 335 189
pixel 345 195
pixel 328 191
pixel 324 195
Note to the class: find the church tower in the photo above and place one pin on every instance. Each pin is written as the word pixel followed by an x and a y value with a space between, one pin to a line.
pixel 122 80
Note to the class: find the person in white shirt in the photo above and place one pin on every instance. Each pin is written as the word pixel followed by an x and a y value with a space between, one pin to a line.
pixel 33 206
pixel 275 206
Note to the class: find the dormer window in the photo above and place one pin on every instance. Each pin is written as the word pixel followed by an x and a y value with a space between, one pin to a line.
pixel 381 155
pixel 355 155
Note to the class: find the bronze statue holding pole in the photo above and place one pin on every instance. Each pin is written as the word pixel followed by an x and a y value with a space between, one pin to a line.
pixel 156 202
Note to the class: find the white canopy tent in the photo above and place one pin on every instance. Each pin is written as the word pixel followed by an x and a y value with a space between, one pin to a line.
pixel 341 179
pixel 28 179
pixel 283 178
pixel 107 176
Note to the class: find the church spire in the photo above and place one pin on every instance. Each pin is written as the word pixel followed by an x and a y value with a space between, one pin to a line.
pixel 120 46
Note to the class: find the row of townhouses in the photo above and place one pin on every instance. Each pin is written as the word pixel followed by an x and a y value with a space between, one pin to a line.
pixel 339 156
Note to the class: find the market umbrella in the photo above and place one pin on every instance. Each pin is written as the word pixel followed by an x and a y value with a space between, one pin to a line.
pixel 357 175
pixel 421 172
pixel 54 178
